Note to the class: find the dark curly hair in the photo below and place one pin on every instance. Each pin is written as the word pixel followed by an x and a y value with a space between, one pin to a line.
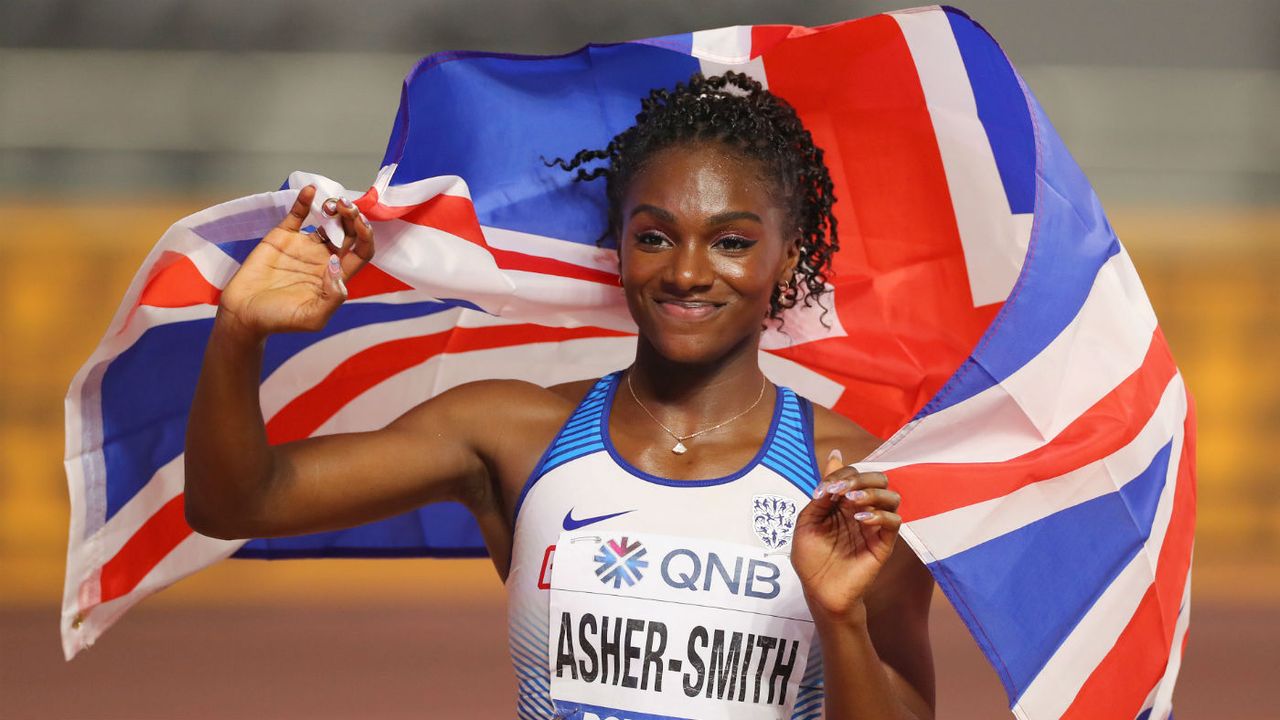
pixel 739 112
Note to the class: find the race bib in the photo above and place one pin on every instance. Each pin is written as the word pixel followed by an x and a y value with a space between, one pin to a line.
pixel 655 626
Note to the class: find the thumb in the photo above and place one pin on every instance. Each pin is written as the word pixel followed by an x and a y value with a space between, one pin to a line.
pixel 835 461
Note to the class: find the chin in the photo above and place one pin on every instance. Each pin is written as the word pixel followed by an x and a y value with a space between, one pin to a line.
pixel 689 347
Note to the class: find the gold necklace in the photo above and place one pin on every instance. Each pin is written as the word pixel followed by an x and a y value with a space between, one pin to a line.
pixel 679 447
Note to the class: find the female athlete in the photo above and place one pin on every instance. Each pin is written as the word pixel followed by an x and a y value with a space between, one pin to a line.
pixel 720 206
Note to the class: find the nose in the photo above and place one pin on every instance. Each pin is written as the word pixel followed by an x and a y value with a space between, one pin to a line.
pixel 689 269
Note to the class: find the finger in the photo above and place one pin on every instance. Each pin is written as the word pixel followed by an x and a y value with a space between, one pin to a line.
pixel 363 247
pixel 883 519
pixel 349 216
pixel 833 487
pixel 334 283
pixel 863 480
pixel 874 498
pixel 880 532
pixel 301 207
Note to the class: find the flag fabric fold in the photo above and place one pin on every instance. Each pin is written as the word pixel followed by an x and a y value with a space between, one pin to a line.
pixel 984 320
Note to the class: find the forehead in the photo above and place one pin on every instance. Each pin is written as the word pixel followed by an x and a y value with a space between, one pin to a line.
pixel 703 179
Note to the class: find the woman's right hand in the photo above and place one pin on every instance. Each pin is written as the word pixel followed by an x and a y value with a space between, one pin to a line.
pixel 294 281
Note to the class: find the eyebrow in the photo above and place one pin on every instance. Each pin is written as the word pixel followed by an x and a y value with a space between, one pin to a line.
pixel 718 219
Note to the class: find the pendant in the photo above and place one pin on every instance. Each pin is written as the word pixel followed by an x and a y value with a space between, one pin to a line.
pixel 679 449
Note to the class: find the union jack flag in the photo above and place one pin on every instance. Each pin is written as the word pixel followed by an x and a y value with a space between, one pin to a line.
pixel 986 322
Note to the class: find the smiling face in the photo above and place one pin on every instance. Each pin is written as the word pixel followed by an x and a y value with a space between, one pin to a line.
pixel 704 242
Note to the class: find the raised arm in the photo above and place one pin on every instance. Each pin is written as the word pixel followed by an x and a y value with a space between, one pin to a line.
pixel 237 485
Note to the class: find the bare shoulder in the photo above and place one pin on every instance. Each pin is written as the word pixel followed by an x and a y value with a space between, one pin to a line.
pixel 833 431
pixel 573 391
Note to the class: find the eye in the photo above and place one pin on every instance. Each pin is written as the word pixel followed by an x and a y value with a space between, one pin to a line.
pixel 734 243
pixel 652 239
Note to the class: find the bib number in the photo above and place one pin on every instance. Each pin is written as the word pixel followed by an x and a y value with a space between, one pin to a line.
pixel 654 626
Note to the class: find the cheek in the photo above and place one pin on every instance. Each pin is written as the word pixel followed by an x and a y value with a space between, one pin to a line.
pixel 753 284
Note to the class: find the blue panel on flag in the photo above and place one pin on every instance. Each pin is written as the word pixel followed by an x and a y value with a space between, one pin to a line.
pixel 1070 242
pixel 1002 108
pixel 146 396
pixel 681 42
pixel 459 122
pixel 238 250
pixel 1067 559
pixel 442 530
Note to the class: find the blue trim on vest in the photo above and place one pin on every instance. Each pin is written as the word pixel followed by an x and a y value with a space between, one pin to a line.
pixel 571 442
pixel 787 449
pixel 791 452
pixel 778 452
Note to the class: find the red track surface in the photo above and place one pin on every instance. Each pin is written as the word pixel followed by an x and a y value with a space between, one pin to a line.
pixel 450 662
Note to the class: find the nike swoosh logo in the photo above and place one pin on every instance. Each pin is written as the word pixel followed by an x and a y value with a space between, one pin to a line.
pixel 571 524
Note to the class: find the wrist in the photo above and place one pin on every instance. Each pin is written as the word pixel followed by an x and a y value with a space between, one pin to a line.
pixel 230 328
pixel 851 617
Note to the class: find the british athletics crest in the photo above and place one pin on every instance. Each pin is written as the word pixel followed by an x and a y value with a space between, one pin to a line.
pixel 774 519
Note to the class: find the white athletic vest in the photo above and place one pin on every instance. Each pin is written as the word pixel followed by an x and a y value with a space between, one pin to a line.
pixel 714 542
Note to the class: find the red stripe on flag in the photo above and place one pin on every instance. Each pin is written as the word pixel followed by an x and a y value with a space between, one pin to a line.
pixel 1110 424
pixel 155 539
pixel 764 37
pixel 372 280
pixel 457 216
pixel 901 264
pixel 1120 684
pixel 175 281
pixel 371 366
pixel 511 260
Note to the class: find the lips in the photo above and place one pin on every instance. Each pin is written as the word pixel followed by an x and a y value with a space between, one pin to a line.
pixel 688 309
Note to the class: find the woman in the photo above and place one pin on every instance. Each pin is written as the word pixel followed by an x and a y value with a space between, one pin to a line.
pixel 720 208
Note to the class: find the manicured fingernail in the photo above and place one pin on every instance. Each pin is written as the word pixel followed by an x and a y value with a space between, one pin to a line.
pixel 863 516
pixel 857 495
pixel 817 493
pixel 335 271
pixel 835 455
pixel 330 207
pixel 345 202
pixel 836 488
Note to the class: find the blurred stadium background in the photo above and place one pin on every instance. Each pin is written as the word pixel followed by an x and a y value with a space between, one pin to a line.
pixel 118 117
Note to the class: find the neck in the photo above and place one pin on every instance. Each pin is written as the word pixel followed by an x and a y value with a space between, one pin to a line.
pixel 702 389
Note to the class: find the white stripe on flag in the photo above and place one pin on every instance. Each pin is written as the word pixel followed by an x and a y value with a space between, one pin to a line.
pixel 163 486
pixel 994 239
pixel 725 49
pixel 196 552
pixel 540 363
pixel 1058 682
pixel 1105 343
pixel 727 45
pixel 807 383
pixel 307 368
pixel 587 256
pixel 958 530
pixel 1161 699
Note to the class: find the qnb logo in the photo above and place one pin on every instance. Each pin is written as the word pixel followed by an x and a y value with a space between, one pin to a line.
pixel 620 561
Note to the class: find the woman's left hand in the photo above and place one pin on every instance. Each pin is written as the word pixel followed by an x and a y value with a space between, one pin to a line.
pixel 842 539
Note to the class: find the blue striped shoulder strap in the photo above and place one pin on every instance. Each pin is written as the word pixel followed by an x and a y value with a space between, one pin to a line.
pixel 790 451
pixel 581 434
